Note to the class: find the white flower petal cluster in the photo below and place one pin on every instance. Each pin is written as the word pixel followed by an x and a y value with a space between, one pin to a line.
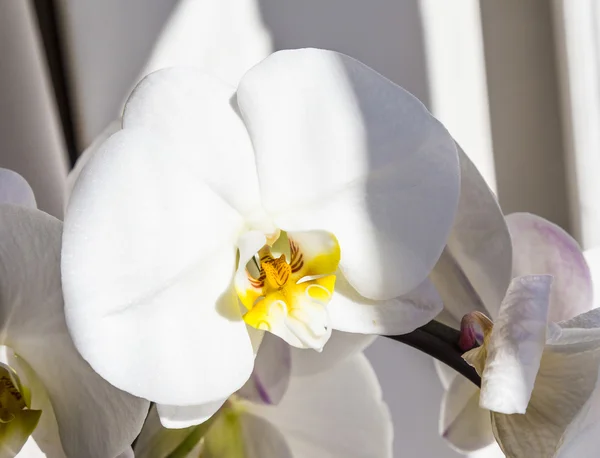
pixel 316 196
pixel 51 401
pixel 539 363
pixel 228 252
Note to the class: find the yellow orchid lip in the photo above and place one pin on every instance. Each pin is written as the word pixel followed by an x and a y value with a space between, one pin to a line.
pixel 289 299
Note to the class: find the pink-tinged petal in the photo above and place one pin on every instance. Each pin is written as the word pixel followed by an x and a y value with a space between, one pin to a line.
pixel 541 247
pixel 272 367
pixel 341 148
pixel 516 344
pixel 474 271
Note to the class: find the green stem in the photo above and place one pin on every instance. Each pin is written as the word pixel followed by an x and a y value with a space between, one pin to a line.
pixel 192 439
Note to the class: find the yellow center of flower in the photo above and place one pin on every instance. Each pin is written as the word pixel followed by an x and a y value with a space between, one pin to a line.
pixel 276 272
pixel 289 299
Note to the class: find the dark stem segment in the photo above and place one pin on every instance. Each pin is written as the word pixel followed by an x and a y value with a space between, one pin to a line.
pixel 441 342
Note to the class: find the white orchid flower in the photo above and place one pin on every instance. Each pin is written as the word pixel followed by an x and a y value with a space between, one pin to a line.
pixel 51 402
pixel 538 246
pixel 338 412
pixel 339 346
pixel 581 436
pixel 348 173
pixel 536 383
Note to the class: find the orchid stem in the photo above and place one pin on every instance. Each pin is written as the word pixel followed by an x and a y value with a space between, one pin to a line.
pixel 441 342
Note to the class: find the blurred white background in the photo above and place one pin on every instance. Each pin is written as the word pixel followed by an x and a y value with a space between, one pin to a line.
pixel 516 83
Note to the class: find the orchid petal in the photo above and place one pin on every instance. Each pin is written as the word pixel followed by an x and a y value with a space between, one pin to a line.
pixel 564 392
pixel 15 190
pixel 197 114
pixel 156 441
pixel 491 451
pixel 465 425
pixel 88 153
pixel 584 330
pixel 262 439
pixel 32 450
pixel 565 382
pixel 445 373
pixel 515 346
pixel 271 375
pixel 445 317
pixel 128 453
pixel 475 269
pixel 231 434
pixel 94 418
pixel 459 295
pixel 350 312
pixel 313 253
pixel 148 261
pixel 180 417
pixel 341 345
pixel 541 247
pixel 256 337
pixel 334 413
pixel 581 437
pixel 414 402
pixel 363 159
